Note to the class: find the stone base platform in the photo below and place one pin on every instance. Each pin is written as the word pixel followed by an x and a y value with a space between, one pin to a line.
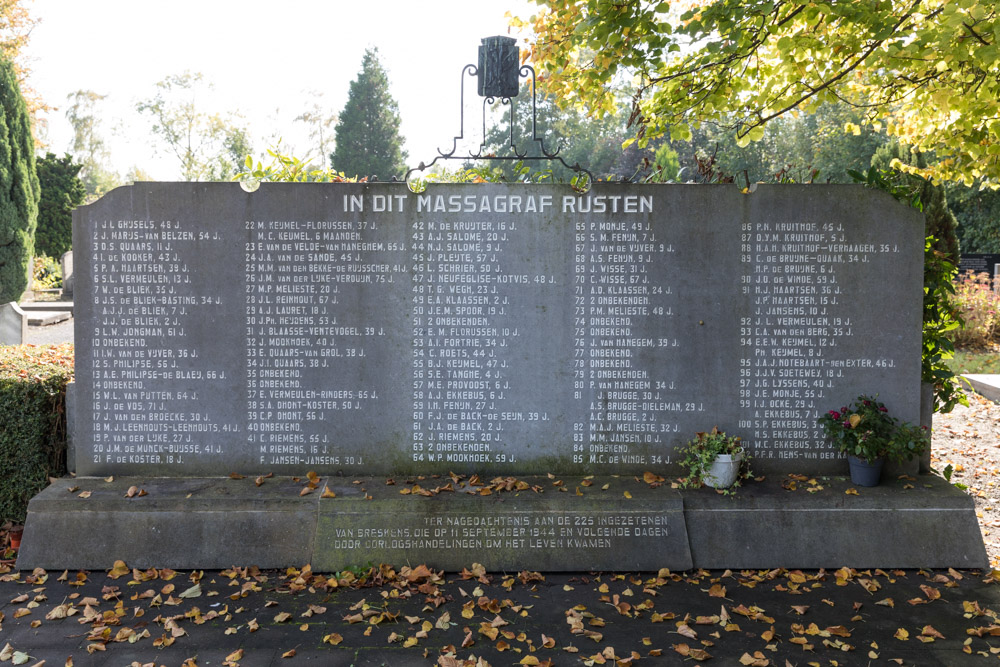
pixel 542 523
pixel 38 318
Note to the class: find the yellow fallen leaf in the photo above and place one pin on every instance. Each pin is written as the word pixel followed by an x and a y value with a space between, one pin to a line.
pixel 120 569
pixel 902 635
pixel 288 654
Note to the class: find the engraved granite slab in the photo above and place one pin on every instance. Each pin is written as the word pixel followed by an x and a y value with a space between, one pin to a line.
pixel 499 329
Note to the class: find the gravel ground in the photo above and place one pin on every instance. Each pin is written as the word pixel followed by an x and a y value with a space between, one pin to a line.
pixel 51 334
pixel 968 439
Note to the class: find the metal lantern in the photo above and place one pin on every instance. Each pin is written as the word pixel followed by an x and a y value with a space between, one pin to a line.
pixel 498 65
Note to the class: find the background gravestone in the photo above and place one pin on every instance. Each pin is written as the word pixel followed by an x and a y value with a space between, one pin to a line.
pixel 13 324
pixel 66 261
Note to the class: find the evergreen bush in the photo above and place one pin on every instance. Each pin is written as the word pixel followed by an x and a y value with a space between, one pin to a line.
pixel 33 413
pixel 18 188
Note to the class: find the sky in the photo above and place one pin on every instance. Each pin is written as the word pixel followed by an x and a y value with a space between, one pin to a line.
pixel 267 61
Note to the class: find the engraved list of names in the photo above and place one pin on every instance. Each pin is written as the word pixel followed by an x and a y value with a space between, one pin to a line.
pixel 351 328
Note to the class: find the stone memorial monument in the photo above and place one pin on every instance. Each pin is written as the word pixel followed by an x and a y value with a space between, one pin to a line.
pixel 502 374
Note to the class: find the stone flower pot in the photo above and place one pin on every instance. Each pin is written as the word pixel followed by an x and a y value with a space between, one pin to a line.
pixel 723 471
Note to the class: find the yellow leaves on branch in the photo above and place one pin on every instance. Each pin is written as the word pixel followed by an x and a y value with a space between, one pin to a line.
pixel 926 72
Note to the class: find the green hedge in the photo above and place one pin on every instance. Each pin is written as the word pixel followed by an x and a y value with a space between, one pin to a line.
pixel 32 421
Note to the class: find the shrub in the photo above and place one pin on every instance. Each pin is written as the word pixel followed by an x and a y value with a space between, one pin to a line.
pixel 32 410
pixel 980 308
pixel 46 273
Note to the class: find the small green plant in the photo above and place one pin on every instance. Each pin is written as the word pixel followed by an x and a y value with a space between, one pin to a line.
pixel 866 430
pixel 698 455
pixel 46 274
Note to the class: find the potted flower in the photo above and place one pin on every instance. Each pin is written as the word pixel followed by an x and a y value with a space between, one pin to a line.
pixel 713 458
pixel 868 435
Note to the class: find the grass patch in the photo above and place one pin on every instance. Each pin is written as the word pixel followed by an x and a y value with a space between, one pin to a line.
pixel 981 361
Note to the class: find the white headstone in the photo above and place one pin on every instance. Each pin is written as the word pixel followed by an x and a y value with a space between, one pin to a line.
pixel 13 325
pixel 67 273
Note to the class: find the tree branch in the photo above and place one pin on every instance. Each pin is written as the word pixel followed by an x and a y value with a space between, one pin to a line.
pixel 975 34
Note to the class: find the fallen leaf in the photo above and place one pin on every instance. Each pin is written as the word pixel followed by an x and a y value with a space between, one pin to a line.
pixel 193 592
pixel 929 631
pixel 755 660
pixel 120 569
pixel 931 592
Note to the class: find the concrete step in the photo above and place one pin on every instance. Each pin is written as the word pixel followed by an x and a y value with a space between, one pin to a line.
pixel 66 306
pixel 43 317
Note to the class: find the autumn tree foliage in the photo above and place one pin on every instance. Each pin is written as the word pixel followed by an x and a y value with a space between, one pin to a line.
pixel 18 187
pixel 924 70
pixel 367 134
pixel 16 24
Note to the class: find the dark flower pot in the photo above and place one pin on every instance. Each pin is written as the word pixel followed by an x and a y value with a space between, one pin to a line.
pixel 864 473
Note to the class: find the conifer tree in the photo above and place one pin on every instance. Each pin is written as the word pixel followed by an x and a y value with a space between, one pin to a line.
pixel 367 135
pixel 61 192
pixel 18 188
